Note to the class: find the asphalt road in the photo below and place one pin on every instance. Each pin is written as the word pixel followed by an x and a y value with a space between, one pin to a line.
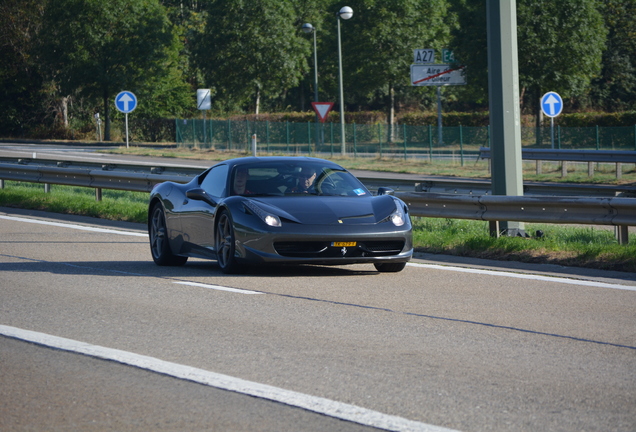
pixel 464 346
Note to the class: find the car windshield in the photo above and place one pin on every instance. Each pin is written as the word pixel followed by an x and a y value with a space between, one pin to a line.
pixel 293 179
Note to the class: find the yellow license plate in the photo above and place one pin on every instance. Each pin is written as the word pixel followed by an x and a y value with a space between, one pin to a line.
pixel 343 244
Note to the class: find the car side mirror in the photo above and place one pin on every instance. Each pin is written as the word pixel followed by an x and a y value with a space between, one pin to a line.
pixel 385 191
pixel 200 195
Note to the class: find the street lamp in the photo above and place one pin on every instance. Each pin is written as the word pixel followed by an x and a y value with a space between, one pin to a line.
pixel 345 13
pixel 308 28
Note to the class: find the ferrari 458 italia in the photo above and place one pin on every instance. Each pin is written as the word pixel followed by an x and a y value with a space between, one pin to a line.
pixel 282 210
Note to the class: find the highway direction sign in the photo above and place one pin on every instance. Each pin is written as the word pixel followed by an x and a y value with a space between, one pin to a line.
pixel 437 75
pixel 551 104
pixel 421 56
pixel 126 102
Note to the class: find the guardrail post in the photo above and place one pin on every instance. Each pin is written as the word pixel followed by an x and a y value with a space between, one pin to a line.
pixel 622 234
pixel 98 194
pixel 590 169
pixel 47 188
pixel 564 169
pixel 1 184
pixel 539 167
pixel 619 170
pixel 493 227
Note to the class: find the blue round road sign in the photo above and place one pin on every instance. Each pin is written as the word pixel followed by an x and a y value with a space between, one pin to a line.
pixel 551 104
pixel 126 102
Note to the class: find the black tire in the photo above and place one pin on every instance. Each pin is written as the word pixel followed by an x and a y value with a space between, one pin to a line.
pixel 390 267
pixel 159 244
pixel 224 244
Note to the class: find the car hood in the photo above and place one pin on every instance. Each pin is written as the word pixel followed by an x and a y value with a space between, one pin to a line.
pixel 325 210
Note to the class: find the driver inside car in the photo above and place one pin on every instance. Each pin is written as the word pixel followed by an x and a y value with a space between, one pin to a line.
pixel 306 179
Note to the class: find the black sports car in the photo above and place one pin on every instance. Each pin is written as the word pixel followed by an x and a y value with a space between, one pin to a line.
pixel 259 210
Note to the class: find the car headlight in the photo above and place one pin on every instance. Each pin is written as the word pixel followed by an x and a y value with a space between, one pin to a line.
pixel 267 217
pixel 398 217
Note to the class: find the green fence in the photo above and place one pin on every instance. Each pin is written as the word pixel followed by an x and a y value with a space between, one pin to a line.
pixel 380 139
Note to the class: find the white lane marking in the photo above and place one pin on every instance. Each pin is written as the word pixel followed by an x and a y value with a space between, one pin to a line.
pixel 218 287
pixel 433 266
pixel 78 227
pixel 316 404
pixel 526 276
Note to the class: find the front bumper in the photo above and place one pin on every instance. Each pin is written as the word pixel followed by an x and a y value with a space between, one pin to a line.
pixel 333 245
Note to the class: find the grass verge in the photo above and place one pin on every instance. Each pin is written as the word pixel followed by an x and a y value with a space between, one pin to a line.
pixel 563 245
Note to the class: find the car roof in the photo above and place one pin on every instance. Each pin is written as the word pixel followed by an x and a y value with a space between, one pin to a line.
pixel 264 159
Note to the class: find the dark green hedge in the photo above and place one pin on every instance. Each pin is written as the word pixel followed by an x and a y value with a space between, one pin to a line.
pixel 475 119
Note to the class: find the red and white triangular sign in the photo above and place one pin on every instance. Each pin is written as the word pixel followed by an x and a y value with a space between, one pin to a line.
pixel 322 109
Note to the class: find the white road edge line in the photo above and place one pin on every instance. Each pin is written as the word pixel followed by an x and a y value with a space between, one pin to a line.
pixel 73 226
pixel 526 276
pixel 218 287
pixel 433 266
pixel 316 404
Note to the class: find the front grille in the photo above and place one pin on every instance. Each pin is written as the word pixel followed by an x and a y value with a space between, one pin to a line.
pixel 384 246
pixel 300 248
pixel 323 249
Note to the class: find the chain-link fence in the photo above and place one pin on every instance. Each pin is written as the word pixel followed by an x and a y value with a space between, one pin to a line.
pixel 380 139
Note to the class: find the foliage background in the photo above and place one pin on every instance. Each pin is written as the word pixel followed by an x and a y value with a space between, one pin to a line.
pixel 65 60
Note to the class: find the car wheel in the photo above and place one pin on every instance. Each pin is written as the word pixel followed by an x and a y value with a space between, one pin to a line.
pixel 225 244
pixel 159 244
pixel 390 267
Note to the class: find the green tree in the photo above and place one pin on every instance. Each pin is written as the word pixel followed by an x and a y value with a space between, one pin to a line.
pixel 251 49
pixel 100 47
pixel 615 88
pixel 20 81
pixel 560 43
pixel 380 39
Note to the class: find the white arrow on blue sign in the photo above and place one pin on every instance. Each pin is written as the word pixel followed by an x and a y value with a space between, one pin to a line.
pixel 126 102
pixel 551 104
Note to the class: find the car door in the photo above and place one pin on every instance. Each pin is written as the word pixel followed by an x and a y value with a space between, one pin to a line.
pixel 197 219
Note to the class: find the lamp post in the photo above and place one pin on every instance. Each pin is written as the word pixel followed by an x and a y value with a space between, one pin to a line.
pixel 308 28
pixel 345 13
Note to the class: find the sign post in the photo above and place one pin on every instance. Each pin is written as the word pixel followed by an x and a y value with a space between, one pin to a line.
pixel 423 73
pixel 204 103
pixel 552 106
pixel 126 102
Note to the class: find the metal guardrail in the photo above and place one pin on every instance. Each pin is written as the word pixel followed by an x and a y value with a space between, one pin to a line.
pixel 618 157
pixel 610 156
pixel 616 211
pixel 133 177
pixel 148 174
